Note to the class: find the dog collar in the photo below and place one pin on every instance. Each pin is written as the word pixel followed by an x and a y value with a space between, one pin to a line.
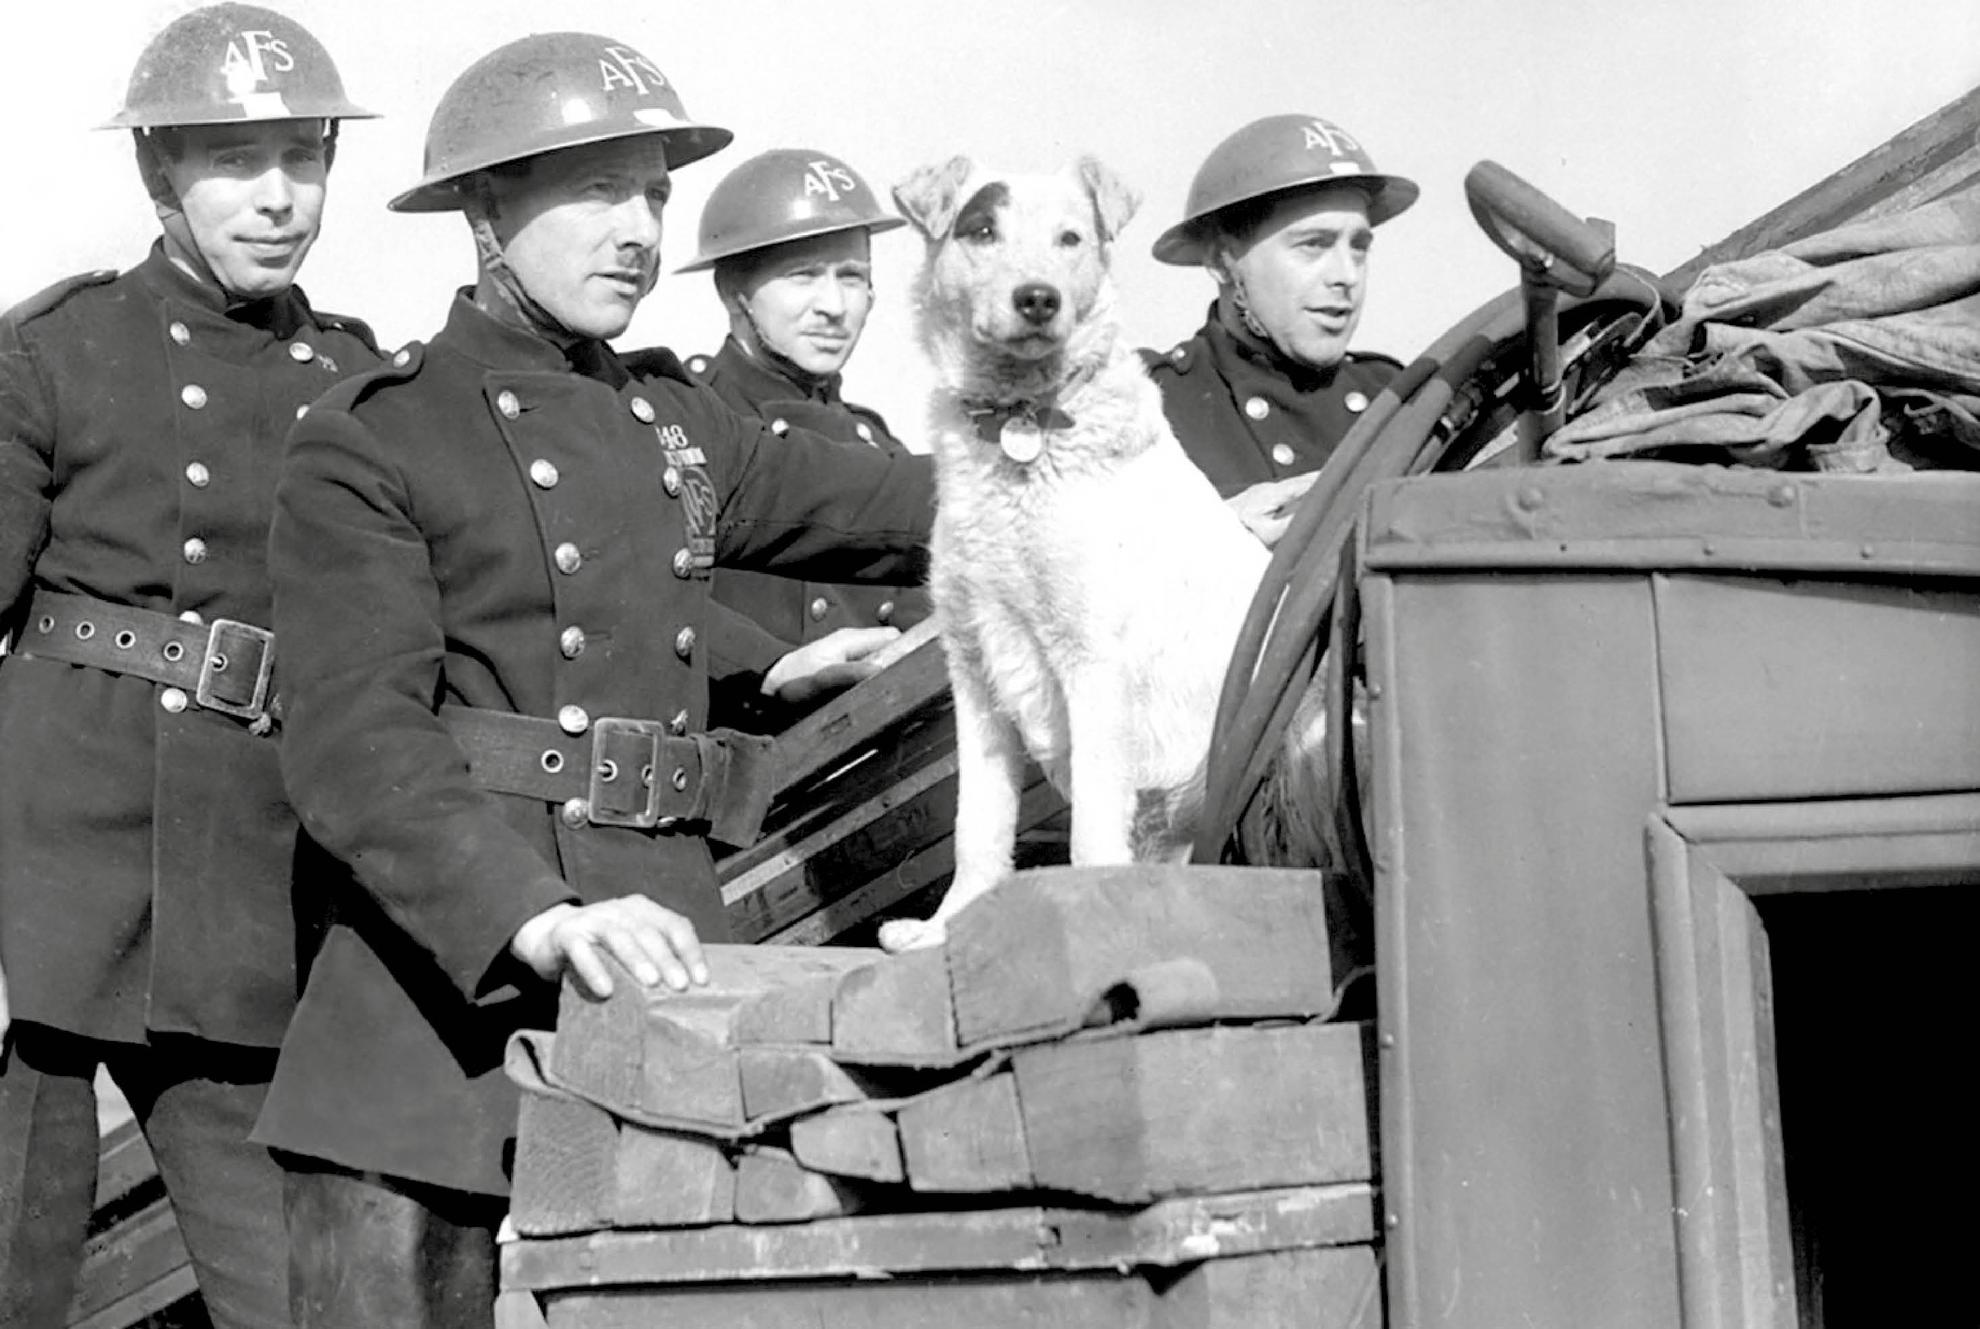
pixel 1018 428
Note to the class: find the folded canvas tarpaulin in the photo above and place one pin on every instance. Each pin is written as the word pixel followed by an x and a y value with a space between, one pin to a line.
pixel 1856 350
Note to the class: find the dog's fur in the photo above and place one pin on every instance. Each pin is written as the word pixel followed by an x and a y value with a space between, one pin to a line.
pixel 1088 599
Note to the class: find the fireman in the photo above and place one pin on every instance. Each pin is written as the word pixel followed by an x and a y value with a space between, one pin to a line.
pixel 491 562
pixel 145 843
pixel 1282 214
pixel 788 235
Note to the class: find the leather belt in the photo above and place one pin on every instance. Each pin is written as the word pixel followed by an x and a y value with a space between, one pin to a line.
pixel 224 666
pixel 621 772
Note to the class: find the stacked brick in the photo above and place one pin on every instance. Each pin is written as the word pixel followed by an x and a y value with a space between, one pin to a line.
pixel 1112 1098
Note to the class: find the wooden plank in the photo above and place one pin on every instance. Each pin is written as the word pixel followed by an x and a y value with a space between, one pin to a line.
pixel 929 867
pixel 780 1083
pixel 1027 1237
pixel 578 1169
pixel 1336 1287
pixel 566 1177
pixel 1033 957
pixel 667 1179
pixel 896 1013
pixel 139 1306
pixel 519 1310
pixel 1035 1301
pixel 1938 152
pixel 851 1142
pixel 133 1259
pixel 966 1136
pixel 123 1164
pixel 1187 1111
pixel 773 1187
pixel 862 713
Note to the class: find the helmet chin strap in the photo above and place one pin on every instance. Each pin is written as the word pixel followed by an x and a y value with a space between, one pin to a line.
pixel 501 292
pixel 1238 300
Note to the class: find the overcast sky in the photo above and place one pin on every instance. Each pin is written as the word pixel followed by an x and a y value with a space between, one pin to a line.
pixel 1677 119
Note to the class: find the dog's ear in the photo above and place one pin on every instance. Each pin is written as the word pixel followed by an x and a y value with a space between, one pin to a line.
pixel 931 196
pixel 1114 203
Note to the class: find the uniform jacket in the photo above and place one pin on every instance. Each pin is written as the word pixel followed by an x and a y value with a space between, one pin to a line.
pixel 1246 416
pixel 489 523
pixel 145 854
pixel 758 618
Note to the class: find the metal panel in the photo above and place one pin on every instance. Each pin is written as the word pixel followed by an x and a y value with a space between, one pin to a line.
pixel 1817 689
pixel 1525 1146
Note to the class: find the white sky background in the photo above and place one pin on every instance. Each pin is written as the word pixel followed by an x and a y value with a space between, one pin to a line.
pixel 1677 119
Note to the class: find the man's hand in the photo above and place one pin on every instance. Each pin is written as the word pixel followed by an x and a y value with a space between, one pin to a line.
pixel 1266 508
pixel 653 942
pixel 836 660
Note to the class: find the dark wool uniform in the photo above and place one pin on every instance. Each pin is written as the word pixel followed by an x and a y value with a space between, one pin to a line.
pixel 757 618
pixel 490 523
pixel 1245 415
pixel 145 842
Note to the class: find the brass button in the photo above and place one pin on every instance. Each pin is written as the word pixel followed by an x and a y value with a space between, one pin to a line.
pixel 864 430
pixel 683 562
pixel 573 719
pixel 670 480
pixel 193 395
pixel 1283 454
pixel 302 410
pixel 543 473
pixel 1177 355
pixel 194 550
pixel 642 410
pixel 678 725
pixel 191 616
pixel 684 643
pixel 575 812
pixel 173 699
pixel 885 613
pixel 197 475
pixel 568 558
pixel 820 607
pixel 1257 407
pixel 1356 402
pixel 180 332
pixel 301 352
pixel 697 364
pixel 402 358
pixel 506 403
pixel 780 426
pixel 571 642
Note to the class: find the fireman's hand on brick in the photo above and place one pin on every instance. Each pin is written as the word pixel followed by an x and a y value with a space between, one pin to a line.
pixel 836 660
pixel 1266 508
pixel 655 944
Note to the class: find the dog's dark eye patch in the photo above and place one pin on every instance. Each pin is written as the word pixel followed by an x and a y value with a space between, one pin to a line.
pixel 978 218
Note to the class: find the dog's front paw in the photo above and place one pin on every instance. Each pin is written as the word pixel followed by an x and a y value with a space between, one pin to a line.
pixel 911 934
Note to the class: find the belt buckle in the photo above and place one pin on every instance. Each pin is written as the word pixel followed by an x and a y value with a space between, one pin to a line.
pixel 217 659
pixel 624 784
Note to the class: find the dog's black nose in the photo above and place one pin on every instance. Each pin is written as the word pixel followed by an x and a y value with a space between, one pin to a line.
pixel 1036 301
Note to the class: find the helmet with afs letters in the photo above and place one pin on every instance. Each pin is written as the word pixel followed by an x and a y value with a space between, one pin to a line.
pixel 782 195
pixel 229 63
pixel 1276 155
pixel 543 93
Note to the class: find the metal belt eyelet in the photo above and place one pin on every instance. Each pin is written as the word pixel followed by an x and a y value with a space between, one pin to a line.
pixel 551 761
pixel 608 771
pixel 47 623
pixel 85 630
pixel 125 639
pixel 218 661
pixel 680 778
pixel 173 651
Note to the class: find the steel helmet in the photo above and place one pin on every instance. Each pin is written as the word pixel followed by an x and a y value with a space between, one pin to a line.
pixel 229 63
pixel 781 195
pixel 545 92
pixel 1271 156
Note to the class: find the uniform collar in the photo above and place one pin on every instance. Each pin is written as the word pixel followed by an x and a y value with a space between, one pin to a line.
pixel 760 380
pixel 487 340
pixel 1243 358
pixel 281 315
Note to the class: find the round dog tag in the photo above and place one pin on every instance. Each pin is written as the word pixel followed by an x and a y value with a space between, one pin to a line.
pixel 1021 439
